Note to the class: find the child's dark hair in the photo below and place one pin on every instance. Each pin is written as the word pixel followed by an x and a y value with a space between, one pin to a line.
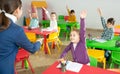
pixel 7 6
pixel 53 13
pixel 111 20
pixel 72 11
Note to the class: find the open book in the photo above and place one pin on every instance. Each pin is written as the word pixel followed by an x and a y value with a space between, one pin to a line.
pixel 72 66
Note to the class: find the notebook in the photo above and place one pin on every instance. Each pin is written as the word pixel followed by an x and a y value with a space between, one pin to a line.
pixel 72 66
pixel 99 40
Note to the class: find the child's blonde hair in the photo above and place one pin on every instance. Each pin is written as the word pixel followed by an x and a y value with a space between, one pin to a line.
pixel 76 30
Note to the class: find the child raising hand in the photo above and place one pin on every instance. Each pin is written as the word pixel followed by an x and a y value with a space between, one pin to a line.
pixel 78 43
pixel 53 21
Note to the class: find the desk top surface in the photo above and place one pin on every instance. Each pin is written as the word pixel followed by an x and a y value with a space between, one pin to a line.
pixel 109 45
pixel 37 31
pixel 84 70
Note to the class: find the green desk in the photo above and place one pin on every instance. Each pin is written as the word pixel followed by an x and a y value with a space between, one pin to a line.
pixel 109 45
pixel 46 23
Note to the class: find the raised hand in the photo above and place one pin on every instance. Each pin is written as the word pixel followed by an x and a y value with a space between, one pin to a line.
pixel 83 14
pixel 66 6
pixel 99 11
pixel 44 9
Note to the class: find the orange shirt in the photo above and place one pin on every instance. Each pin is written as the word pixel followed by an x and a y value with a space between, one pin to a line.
pixel 71 18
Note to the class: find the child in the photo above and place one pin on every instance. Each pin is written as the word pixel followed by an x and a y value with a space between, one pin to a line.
pixel 53 21
pixel 71 17
pixel 108 32
pixel 71 13
pixel 78 44
pixel 34 22
pixel 12 36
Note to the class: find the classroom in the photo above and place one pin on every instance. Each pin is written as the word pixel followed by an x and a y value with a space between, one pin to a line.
pixel 59 37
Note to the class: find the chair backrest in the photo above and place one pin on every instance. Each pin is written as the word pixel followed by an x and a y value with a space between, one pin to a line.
pixel 61 17
pixel 96 53
pixel 66 18
pixel 27 21
pixel 31 36
pixel 117 26
pixel 22 54
pixel 116 56
pixel 54 34
pixel 93 61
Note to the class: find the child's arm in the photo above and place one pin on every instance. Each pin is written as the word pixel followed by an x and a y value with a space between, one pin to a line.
pixel 82 27
pixel 29 12
pixel 68 10
pixel 65 51
pixel 47 13
pixel 102 18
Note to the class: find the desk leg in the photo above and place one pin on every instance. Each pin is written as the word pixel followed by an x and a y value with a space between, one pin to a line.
pixel 46 48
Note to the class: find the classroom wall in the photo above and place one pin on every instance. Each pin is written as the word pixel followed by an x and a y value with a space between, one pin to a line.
pixel 110 8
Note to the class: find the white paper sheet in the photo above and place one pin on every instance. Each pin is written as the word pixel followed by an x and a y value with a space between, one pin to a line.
pixel 72 66
pixel 99 40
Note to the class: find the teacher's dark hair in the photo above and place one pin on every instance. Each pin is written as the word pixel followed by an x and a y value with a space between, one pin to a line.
pixel 7 6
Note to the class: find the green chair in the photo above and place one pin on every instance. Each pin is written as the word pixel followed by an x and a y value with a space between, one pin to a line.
pixel 93 61
pixel 61 17
pixel 115 57
pixel 73 25
pixel 64 31
pixel 45 23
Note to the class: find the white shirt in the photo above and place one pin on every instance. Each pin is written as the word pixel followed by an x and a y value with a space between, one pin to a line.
pixel 74 45
pixel 53 23
pixel 12 17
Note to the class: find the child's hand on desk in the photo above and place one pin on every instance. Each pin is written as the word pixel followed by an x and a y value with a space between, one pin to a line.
pixel 61 60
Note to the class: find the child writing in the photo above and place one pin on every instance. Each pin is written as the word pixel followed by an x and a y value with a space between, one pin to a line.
pixel 53 21
pixel 12 36
pixel 78 43
pixel 108 30
pixel 71 13
pixel 34 22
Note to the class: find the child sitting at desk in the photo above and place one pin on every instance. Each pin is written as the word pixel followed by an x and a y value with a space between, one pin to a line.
pixel 53 21
pixel 78 43
pixel 108 32
pixel 34 22
pixel 71 13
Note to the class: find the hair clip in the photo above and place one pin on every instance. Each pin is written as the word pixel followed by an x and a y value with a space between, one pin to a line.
pixel 2 11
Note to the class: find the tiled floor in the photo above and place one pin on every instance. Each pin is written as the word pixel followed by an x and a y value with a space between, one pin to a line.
pixel 42 62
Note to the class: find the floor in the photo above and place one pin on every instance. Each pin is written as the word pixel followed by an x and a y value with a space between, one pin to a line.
pixel 42 62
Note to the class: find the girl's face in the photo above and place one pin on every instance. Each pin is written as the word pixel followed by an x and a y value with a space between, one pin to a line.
pixel 34 15
pixel 74 37
pixel 53 16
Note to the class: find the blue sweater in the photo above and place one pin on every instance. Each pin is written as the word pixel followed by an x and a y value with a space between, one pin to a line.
pixel 10 40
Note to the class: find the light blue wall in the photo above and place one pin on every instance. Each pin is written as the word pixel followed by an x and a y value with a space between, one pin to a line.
pixel 110 8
